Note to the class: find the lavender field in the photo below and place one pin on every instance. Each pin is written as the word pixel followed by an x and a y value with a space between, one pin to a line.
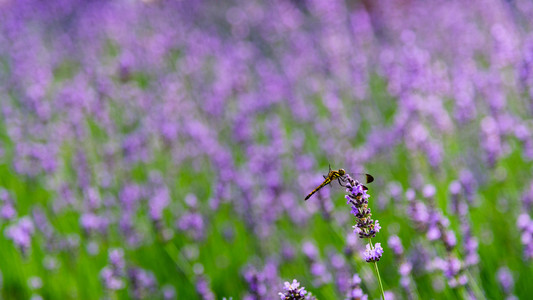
pixel 163 149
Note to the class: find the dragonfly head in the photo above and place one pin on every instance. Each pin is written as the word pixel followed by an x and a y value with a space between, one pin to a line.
pixel 342 172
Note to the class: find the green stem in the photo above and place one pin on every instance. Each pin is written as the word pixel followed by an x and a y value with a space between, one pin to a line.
pixel 180 261
pixel 377 272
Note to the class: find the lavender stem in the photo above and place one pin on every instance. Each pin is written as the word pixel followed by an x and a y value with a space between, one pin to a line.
pixel 377 272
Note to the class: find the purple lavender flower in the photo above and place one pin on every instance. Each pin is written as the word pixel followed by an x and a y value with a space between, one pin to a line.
pixel 143 283
pixel 340 270
pixel 395 244
pixel 436 226
pixel 365 227
pixel 525 224
pixel 318 269
pixel 373 254
pixel 293 291
pixel 527 197
pixel 7 208
pixel 358 198
pixel 256 286
pixel 35 283
pixel 452 268
pixel 113 275
pixel 91 222
pixel 110 280
pixel 320 273
pixel 260 282
pixel 405 268
pixel 506 281
pixel 356 292
pixel 310 250
pixel 21 233
pixel 168 292
pixel 192 221
pixel 203 288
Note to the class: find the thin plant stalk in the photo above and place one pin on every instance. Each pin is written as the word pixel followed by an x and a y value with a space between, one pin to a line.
pixel 377 272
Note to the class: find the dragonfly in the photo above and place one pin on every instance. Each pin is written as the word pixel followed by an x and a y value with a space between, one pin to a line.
pixel 340 176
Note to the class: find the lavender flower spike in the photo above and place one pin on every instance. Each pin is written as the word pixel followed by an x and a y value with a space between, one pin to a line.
pixel 358 198
pixel 365 226
pixel 373 254
pixel 293 291
pixel 355 292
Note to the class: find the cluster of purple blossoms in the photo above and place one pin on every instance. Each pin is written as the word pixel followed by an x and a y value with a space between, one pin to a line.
pixel 406 267
pixel 373 254
pixel 256 286
pixel 21 233
pixel 452 268
pixel 7 207
pixel 431 221
pixel 203 287
pixel 460 205
pixel 259 281
pixel 293 291
pixel 320 272
pixel 355 292
pixel 35 283
pixel 506 281
pixel 365 226
pixel 113 275
pixel 525 223
pixel 168 292
pixel 341 271
pixel 143 283
pixel 192 221
pixel 435 225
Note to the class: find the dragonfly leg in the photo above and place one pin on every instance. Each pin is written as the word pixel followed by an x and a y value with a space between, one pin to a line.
pixel 342 181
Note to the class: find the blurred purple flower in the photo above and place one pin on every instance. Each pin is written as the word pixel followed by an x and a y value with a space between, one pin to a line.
pixel 93 223
pixel 525 224
pixel 203 288
pixel 395 244
pixel 356 292
pixel 142 283
pixel 158 202
pixel 7 209
pixel 21 233
pixel 192 221
pixel 168 292
pixel 114 274
pixel 260 282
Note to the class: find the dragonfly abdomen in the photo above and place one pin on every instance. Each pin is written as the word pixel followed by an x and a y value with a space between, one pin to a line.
pixel 328 180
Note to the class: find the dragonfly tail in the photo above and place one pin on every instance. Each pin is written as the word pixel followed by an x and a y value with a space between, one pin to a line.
pixel 327 181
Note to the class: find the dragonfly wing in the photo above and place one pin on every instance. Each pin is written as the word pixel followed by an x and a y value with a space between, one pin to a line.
pixel 368 178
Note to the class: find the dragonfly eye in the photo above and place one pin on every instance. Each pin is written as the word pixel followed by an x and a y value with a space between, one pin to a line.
pixel 342 172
